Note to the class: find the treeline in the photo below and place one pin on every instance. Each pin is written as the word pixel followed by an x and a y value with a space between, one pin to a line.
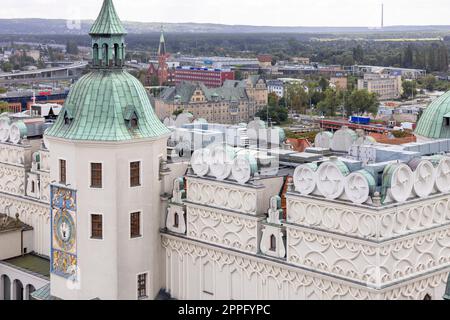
pixel 432 57
pixel 326 49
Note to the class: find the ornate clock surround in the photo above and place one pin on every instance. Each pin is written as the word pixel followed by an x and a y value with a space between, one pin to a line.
pixel 64 259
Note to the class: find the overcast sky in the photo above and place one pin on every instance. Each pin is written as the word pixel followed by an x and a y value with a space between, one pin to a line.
pixel 248 12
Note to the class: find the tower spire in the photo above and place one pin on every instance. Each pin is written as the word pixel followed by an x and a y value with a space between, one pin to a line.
pixel 162 43
pixel 108 38
pixel 108 22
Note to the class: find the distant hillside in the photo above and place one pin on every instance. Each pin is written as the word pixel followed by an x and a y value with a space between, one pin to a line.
pixel 48 26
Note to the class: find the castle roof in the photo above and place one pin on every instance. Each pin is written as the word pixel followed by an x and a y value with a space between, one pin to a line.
pixel 98 106
pixel 104 104
pixel 185 90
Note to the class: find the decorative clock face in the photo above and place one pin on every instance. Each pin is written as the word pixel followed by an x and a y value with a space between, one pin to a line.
pixel 64 230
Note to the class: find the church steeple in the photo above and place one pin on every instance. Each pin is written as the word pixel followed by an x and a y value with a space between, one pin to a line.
pixel 108 35
pixel 162 43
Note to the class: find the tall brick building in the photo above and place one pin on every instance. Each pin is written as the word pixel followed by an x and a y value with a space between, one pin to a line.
pixel 212 78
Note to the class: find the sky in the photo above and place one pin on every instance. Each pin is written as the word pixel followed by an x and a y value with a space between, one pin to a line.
pixel 362 13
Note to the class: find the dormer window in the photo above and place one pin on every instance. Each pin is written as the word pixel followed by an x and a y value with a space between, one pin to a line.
pixel 133 123
pixel 447 121
pixel 131 118
pixel 67 117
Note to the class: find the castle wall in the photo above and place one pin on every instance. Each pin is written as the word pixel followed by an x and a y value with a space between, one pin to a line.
pixel 218 273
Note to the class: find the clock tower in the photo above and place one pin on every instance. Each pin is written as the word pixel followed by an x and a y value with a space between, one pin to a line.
pixel 106 148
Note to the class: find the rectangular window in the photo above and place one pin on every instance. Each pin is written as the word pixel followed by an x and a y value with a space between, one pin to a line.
pixel 135 174
pixel 96 226
pixel 135 225
pixel 142 286
pixel 96 175
pixel 62 171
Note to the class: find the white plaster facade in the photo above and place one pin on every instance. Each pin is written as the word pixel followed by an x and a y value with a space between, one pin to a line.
pixel 17 169
pixel 108 268
pixel 325 249
pixel 218 273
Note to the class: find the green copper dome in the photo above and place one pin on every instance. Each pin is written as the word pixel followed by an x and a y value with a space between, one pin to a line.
pixel 108 22
pixel 107 105
pixel 435 120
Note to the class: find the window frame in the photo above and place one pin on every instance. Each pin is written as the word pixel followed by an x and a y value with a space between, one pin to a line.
pixel 141 230
pixel 61 181
pixel 91 186
pixel 140 174
pixel 147 279
pixel 91 237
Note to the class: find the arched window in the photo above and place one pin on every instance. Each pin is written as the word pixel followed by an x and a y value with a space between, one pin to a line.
pixel 427 297
pixel 273 243
pixel 117 57
pixel 18 290
pixel 106 54
pixel 6 283
pixel 95 55
pixel 176 221
pixel 29 291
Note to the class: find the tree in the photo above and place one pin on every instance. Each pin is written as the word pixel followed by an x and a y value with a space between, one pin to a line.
pixel 442 58
pixel 409 89
pixel 329 105
pixel 273 99
pixel 277 114
pixel 297 97
pixel 72 48
pixel 361 102
pixel 429 82
pixel 7 67
pixel 323 84
pixel 177 112
pixel 3 90
pixel 4 107
pixel 358 54
pixel 408 57
pixel 238 75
